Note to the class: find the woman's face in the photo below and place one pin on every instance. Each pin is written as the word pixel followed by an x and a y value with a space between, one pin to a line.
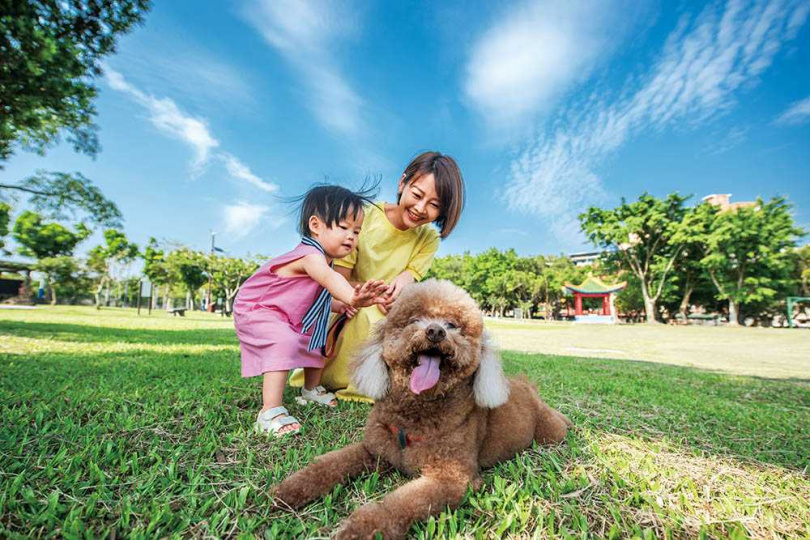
pixel 418 200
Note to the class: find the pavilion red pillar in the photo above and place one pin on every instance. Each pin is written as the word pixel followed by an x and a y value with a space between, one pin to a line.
pixel 577 304
pixel 605 306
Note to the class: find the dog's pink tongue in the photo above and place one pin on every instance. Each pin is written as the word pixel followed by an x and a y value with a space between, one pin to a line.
pixel 426 374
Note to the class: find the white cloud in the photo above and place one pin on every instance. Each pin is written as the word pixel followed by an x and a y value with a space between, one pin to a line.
pixel 705 63
pixel 306 33
pixel 239 170
pixel 241 218
pixel 168 118
pixel 797 113
pixel 537 51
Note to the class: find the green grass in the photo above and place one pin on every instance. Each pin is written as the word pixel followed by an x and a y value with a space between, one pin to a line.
pixel 140 427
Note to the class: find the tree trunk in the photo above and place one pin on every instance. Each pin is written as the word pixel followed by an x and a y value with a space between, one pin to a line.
pixel 684 308
pixel 733 313
pixel 53 291
pixel 649 304
pixel 188 300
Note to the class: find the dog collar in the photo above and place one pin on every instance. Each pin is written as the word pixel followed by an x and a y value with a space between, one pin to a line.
pixel 403 438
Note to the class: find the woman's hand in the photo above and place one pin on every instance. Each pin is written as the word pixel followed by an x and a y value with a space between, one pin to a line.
pixel 395 289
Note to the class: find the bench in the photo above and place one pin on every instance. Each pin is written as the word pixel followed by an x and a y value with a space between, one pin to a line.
pixel 178 311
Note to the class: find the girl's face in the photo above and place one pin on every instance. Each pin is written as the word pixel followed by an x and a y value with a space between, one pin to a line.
pixel 419 201
pixel 340 239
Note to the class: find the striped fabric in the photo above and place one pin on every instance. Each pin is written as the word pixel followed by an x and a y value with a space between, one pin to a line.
pixel 318 312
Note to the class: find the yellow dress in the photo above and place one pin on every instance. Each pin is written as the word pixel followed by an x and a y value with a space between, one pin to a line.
pixel 383 252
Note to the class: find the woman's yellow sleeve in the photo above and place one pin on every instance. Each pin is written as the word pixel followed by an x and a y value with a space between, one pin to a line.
pixel 422 256
pixel 349 260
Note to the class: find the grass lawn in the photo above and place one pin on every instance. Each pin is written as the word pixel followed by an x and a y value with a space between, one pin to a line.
pixel 140 427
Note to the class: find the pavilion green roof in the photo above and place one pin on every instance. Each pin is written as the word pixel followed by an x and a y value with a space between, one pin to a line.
pixel 594 285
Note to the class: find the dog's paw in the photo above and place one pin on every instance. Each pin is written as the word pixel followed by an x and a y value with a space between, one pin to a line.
pixel 366 522
pixel 288 496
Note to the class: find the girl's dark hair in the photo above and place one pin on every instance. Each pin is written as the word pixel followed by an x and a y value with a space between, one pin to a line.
pixel 449 186
pixel 333 204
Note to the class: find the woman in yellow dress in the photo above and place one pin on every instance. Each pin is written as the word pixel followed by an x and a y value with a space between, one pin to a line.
pixel 397 244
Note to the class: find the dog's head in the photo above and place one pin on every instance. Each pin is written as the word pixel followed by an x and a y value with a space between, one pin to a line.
pixel 432 340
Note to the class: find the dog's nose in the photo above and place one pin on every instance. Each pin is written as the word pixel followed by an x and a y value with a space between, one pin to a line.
pixel 435 332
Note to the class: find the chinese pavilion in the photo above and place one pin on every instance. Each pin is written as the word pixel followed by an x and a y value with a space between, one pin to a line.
pixel 594 287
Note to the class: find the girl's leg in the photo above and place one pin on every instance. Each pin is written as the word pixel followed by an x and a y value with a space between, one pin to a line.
pixel 273 392
pixel 312 378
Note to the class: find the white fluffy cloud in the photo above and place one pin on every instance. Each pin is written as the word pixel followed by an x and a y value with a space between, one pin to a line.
pixel 241 218
pixel 705 63
pixel 537 51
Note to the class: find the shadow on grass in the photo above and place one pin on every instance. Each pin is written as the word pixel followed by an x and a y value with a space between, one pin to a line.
pixel 104 334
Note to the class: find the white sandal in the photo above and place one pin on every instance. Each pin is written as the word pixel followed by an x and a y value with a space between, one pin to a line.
pixel 317 395
pixel 272 420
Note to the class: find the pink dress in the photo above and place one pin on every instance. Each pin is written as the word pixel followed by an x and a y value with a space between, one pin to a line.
pixel 267 315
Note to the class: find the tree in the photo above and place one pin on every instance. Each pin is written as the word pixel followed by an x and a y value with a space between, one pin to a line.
pixel 108 259
pixel 66 276
pixel 40 240
pixel 5 219
pixel 803 269
pixel 157 270
pixel 50 53
pixel 228 274
pixel 640 235
pixel 61 195
pixel 689 273
pixel 188 267
pixel 46 240
pixel 749 253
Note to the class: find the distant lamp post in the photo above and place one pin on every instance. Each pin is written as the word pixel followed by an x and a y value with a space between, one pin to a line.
pixel 209 307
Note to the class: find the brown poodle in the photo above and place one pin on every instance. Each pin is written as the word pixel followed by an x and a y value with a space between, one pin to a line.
pixel 444 411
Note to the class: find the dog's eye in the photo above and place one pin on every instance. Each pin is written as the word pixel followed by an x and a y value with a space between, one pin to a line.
pixel 413 320
pixel 450 326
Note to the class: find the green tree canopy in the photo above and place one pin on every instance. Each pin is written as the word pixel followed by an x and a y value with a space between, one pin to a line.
pixel 40 240
pixel 105 259
pixel 228 274
pixel 749 253
pixel 188 267
pixel 639 235
pixel 50 53
pixel 65 275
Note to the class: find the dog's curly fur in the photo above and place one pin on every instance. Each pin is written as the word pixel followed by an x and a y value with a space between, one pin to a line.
pixel 471 419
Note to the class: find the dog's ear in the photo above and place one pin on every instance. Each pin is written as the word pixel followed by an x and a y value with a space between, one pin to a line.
pixel 369 372
pixel 490 386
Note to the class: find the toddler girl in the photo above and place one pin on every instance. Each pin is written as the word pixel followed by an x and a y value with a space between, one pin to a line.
pixel 281 312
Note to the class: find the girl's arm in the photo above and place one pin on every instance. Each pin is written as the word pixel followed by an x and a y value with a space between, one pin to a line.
pixel 358 296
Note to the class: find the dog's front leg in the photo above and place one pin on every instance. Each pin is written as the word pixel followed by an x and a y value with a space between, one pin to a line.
pixel 416 500
pixel 320 476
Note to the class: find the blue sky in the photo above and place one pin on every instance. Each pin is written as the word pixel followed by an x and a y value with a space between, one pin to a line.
pixel 213 112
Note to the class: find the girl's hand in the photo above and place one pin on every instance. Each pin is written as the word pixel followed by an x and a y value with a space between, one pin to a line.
pixel 341 308
pixel 369 293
